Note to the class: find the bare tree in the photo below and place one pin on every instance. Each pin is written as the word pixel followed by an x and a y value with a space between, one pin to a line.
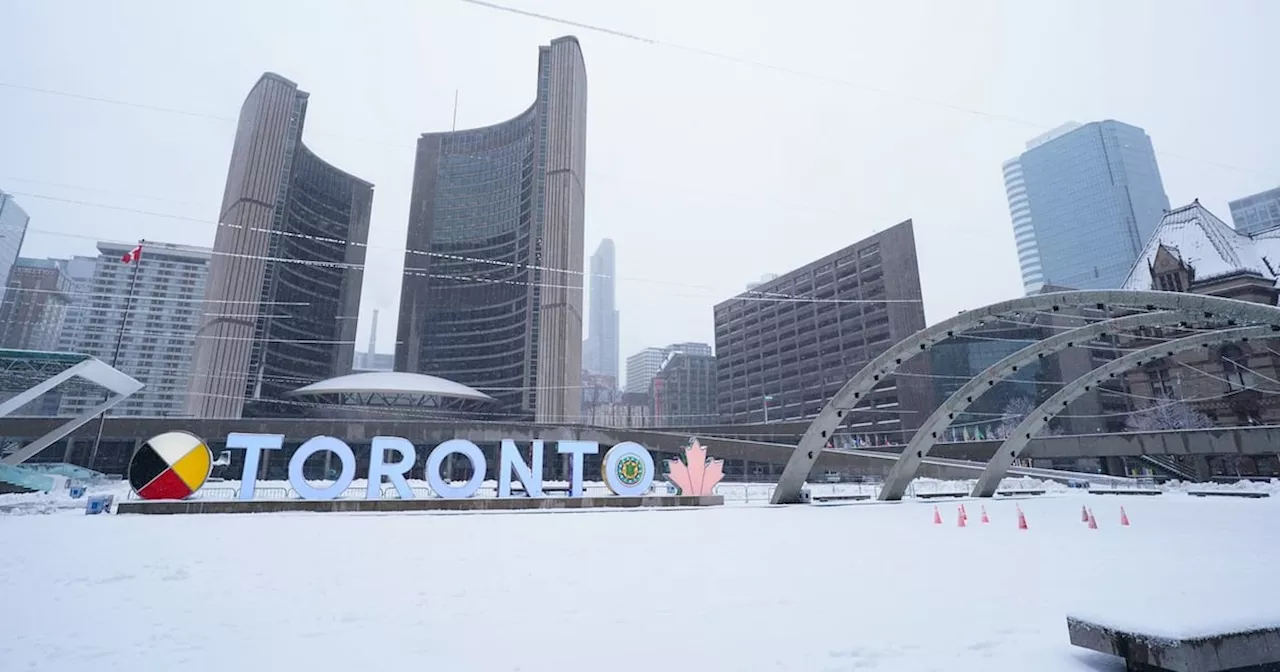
pixel 1165 412
pixel 1015 412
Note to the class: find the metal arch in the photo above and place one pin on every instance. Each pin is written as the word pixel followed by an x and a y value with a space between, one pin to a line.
pixel 899 477
pixel 815 438
pixel 1021 436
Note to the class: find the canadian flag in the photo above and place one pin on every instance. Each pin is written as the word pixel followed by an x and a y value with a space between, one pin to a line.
pixel 132 256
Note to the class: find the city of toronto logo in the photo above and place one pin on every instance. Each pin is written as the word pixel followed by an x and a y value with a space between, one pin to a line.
pixel 696 475
pixel 172 465
pixel 630 470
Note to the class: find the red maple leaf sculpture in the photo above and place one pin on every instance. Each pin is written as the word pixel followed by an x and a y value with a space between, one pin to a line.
pixel 696 475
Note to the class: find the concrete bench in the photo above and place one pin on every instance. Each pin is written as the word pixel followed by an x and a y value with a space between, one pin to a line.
pixel 1135 491
pixel 1252 650
pixel 940 495
pixel 1230 493
pixel 1019 493
pixel 841 498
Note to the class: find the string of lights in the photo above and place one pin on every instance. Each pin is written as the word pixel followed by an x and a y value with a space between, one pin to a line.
pixel 712 292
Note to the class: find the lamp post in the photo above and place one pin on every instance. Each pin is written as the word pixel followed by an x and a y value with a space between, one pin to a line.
pixel 767 399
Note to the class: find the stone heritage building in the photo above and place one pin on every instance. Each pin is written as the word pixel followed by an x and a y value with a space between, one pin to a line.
pixel 1233 384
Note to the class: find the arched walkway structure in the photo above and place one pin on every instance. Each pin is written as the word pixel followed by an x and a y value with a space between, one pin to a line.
pixel 1203 308
pixel 1018 439
pixel 931 431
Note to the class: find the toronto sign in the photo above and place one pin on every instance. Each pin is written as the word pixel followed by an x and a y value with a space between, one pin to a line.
pixel 175 465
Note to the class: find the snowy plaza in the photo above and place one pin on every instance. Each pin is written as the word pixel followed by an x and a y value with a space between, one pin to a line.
pixel 744 586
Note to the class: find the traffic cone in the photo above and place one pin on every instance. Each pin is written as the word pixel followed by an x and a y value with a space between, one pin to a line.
pixel 1124 518
pixel 1022 519
pixel 1093 522
pixel 1084 514
pixel 985 519
pixel 960 517
pixel 963 513
pixel 937 517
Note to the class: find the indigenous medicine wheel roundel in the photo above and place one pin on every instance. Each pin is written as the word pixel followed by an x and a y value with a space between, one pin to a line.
pixel 172 465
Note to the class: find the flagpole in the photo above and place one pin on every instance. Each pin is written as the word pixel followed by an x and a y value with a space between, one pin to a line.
pixel 115 355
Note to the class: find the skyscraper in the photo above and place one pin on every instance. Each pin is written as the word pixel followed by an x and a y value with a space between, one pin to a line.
pixel 492 289
pixel 13 228
pixel 35 305
pixel 1084 199
pixel 644 365
pixel 78 271
pixel 683 391
pixel 600 351
pixel 159 324
pixel 287 268
pixel 1257 213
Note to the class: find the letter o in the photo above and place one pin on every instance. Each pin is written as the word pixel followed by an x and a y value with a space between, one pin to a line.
pixel 312 446
pixel 628 469
pixel 462 447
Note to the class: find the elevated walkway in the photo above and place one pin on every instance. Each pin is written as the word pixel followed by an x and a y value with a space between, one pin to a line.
pixel 28 374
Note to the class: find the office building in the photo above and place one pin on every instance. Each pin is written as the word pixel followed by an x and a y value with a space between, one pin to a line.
pixel 492 289
pixel 34 306
pixel 13 229
pixel 1257 213
pixel 148 311
pixel 287 268
pixel 784 359
pixel 644 365
pixel 78 272
pixel 1084 200
pixel 684 391
pixel 600 350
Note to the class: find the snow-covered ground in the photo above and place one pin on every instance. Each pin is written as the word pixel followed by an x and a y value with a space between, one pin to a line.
pixel 743 587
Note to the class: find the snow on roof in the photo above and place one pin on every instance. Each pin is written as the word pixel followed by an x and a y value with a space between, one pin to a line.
pixel 1208 245
pixel 391 382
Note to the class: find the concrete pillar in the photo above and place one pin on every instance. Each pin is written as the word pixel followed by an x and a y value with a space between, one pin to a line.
pixel 1203 472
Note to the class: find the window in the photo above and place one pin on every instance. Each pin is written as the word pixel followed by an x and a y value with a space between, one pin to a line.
pixel 1234 371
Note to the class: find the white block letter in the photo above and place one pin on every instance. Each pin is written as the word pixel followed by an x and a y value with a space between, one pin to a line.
pixel 253 445
pixel 509 459
pixel 312 446
pixel 461 447
pixel 577 449
pixel 394 471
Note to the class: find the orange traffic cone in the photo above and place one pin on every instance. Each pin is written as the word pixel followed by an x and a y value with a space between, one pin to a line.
pixel 1084 514
pixel 1124 518
pixel 937 517
pixel 963 513
pixel 1093 522
pixel 1022 519
pixel 985 520
pixel 960 517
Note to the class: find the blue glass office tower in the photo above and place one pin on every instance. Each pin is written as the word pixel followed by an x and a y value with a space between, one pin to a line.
pixel 13 228
pixel 1084 199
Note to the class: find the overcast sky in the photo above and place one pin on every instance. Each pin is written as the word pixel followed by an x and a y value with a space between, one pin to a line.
pixel 706 171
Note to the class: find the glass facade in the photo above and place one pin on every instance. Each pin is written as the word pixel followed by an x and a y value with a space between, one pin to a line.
pixel 305 336
pixel 1257 213
pixel 1083 205
pixel 13 228
pixel 482 301
pixel 288 265
pixel 482 228
pixel 601 347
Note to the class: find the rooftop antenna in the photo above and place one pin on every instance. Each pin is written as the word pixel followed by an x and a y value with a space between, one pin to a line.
pixel 455 110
